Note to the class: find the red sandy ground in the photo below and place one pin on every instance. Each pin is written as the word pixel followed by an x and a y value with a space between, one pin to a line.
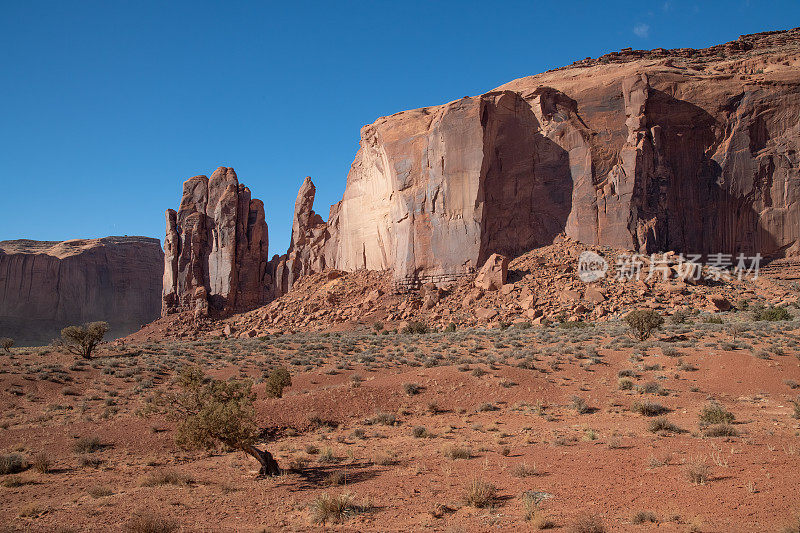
pixel 605 462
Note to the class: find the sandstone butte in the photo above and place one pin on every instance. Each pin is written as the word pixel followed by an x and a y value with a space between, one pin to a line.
pixel 694 151
pixel 45 286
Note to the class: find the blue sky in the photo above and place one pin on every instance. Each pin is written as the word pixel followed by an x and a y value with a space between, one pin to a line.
pixel 107 107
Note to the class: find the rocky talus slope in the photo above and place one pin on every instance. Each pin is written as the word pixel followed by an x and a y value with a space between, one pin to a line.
pixel 541 287
pixel 45 286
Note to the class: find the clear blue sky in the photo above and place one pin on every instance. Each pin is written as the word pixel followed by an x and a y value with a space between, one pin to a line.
pixel 107 107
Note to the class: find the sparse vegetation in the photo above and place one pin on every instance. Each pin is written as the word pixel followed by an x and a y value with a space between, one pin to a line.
pixel 643 517
pixel 12 463
pixel 661 424
pixel 579 405
pixel 149 522
pixel 587 523
pixel 772 314
pixel 210 412
pixel 721 430
pixel 87 445
pixel 82 340
pixel 416 328
pixel 41 462
pixel 648 408
pixel 456 452
pixel 325 508
pixel 278 379
pixel 696 470
pixel 643 322
pixel 6 344
pixel 412 389
pixel 480 493
pixel 715 413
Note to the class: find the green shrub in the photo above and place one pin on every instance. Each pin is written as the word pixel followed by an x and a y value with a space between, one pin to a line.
pixel 417 328
pixel 277 380
pixel 721 430
pixel 648 408
pixel 714 413
pixel 643 322
pixel 662 424
pixel 772 314
pixel 82 340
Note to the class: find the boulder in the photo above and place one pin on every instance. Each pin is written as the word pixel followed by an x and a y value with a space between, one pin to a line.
pixel 492 276
pixel 718 302
pixel 594 295
pixel 484 313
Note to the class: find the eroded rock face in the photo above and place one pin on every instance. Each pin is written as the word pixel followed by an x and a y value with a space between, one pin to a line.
pixel 310 235
pixel 46 286
pixel 694 151
pixel 696 157
pixel 215 260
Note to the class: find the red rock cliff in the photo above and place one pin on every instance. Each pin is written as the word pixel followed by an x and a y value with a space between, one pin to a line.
pixel 45 286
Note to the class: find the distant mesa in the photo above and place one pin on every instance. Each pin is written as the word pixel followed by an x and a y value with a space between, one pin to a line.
pixel 47 285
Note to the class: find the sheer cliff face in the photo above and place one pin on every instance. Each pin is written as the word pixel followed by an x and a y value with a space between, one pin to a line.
pixel 679 152
pixel 439 190
pixel 215 248
pixel 45 286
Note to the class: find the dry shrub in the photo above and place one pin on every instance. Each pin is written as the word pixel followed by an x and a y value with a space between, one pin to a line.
pixel 696 470
pixel 41 463
pixel 335 478
pixel 325 508
pixel 721 430
pixel 523 470
pixel 642 517
pixel 479 493
pixel 12 463
pixel 87 445
pixel 456 452
pixel 587 523
pixel 99 491
pixel 149 522
pixel 648 408
pixel 661 424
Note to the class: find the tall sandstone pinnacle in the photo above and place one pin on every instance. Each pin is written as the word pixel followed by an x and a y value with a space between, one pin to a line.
pixel 696 151
pixel 215 249
pixel 306 252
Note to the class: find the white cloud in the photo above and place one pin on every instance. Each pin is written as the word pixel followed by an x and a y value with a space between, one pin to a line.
pixel 642 30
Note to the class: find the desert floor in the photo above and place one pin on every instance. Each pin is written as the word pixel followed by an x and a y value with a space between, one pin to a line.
pixel 405 423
